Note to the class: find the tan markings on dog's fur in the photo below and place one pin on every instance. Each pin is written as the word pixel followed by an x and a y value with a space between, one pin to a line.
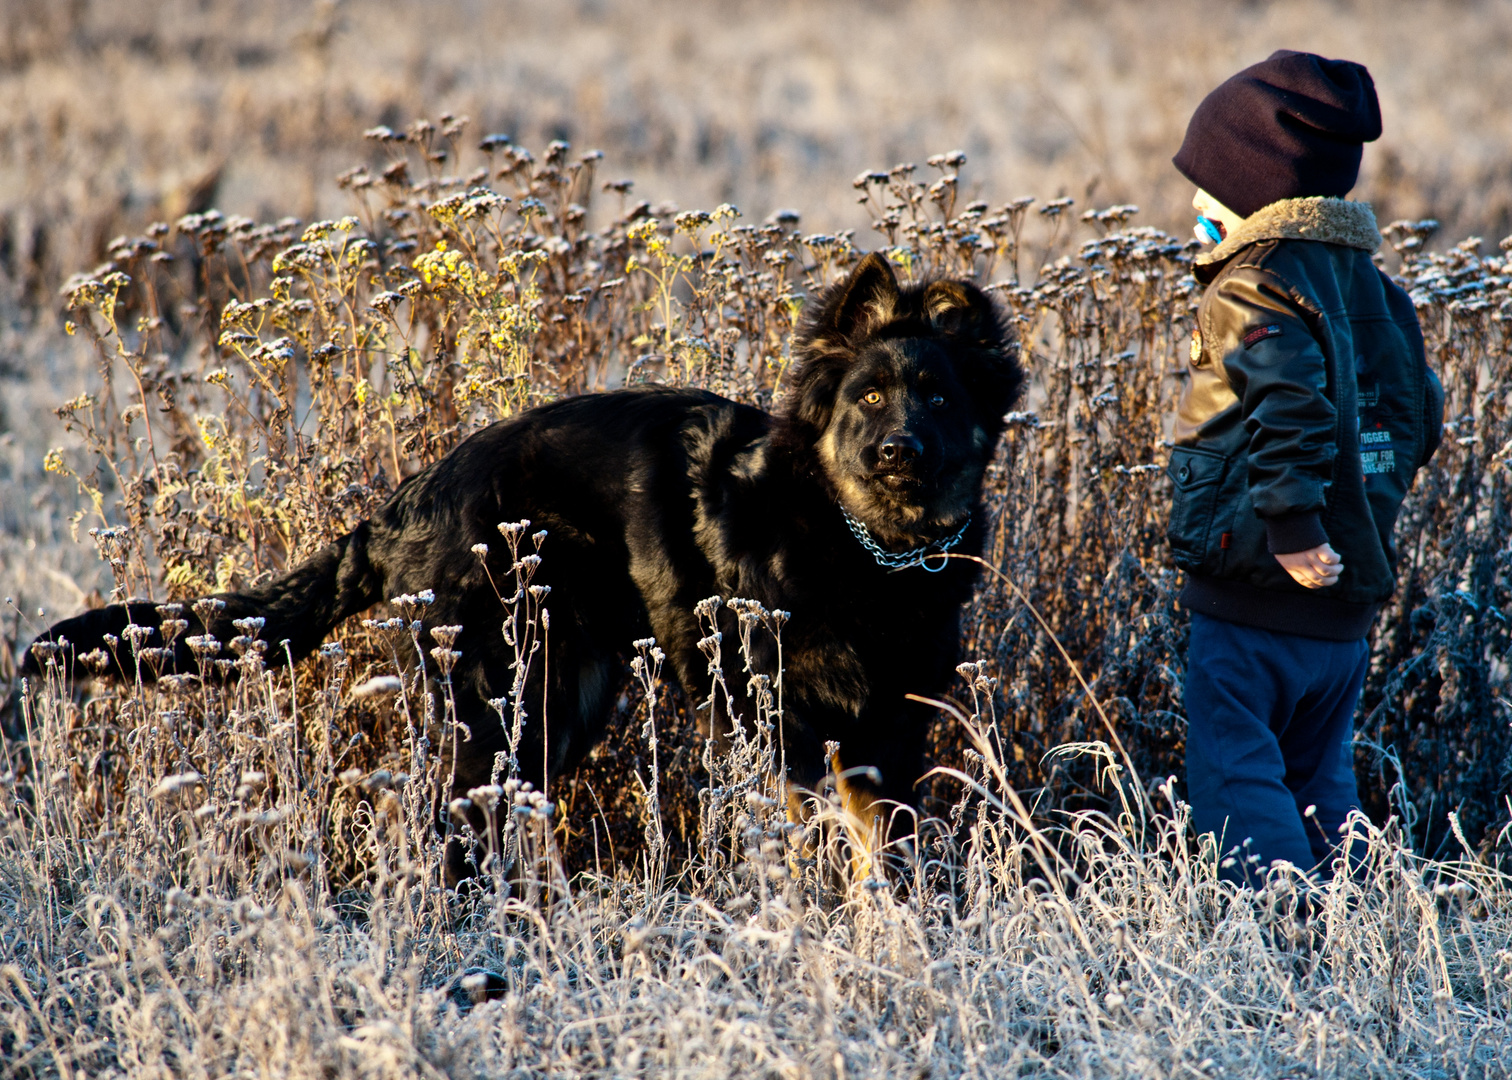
pixel 861 814
pixel 950 508
pixel 879 312
pixel 826 347
pixel 942 298
pixel 865 821
pixel 853 494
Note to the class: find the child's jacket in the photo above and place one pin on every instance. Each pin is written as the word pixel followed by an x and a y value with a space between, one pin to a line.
pixel 1309 407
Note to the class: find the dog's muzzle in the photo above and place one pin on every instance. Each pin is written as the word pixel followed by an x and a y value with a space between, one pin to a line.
pixel 899 460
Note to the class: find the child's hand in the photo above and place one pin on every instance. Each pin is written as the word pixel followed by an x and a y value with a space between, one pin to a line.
pixel 1317 568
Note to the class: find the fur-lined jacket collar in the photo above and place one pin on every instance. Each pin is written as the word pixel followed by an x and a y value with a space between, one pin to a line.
pixel 1332 221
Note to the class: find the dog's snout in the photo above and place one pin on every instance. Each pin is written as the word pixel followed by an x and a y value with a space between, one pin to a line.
pixel 900 448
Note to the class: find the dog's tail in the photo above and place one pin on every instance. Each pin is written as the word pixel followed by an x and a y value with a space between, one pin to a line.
pixel 298 611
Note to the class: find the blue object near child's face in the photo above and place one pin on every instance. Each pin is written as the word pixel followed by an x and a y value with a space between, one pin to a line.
pixel 1214 220
pixel 1211 229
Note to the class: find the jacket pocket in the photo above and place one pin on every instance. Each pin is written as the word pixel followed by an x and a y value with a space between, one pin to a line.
pixel 1196 476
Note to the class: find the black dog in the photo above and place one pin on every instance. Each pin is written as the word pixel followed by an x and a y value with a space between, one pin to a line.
pixel 655 499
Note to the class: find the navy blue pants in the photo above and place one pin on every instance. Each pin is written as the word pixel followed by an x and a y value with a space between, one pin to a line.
pixel 1270 726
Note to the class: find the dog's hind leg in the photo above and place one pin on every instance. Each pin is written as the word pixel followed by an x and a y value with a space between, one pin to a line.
pixel 563 708
pixel 858 812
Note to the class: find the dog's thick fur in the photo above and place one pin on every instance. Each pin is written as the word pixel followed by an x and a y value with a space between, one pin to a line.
pixel 655 499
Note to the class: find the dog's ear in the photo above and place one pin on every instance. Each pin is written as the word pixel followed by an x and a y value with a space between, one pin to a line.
pixel 864 301
pixel 831 335
pixel 988 361
pixel 961 310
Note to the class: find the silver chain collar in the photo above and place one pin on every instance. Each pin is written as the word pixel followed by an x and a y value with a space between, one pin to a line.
pixel 902 560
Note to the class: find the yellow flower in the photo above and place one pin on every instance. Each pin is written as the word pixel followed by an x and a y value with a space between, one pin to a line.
pixel 643 230
pixel 54 462
pixel 212 438
pixel 901 256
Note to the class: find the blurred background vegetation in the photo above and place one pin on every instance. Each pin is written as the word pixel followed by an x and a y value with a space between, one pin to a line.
pixel 116 114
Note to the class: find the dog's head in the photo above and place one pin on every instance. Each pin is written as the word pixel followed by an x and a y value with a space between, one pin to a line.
pixel 900 393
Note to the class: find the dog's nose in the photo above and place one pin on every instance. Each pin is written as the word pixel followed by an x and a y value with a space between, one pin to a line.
pixel 900 448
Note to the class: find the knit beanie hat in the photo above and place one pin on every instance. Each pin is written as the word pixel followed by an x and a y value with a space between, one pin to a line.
pixel 1288 127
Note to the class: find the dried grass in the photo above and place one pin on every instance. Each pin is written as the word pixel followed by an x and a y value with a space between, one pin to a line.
pixel 241 880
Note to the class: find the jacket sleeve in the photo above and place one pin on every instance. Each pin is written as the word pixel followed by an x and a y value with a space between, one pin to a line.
pixel 1280 373
pixel 1433 415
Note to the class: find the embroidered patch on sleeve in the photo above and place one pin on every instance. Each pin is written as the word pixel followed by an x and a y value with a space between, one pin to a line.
pixel 1260 333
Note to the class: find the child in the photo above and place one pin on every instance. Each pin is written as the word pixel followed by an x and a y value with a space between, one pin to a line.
pixel 1308 409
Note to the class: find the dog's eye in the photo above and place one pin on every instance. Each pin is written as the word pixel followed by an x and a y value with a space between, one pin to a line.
pixel 937 400
pixel 873 397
